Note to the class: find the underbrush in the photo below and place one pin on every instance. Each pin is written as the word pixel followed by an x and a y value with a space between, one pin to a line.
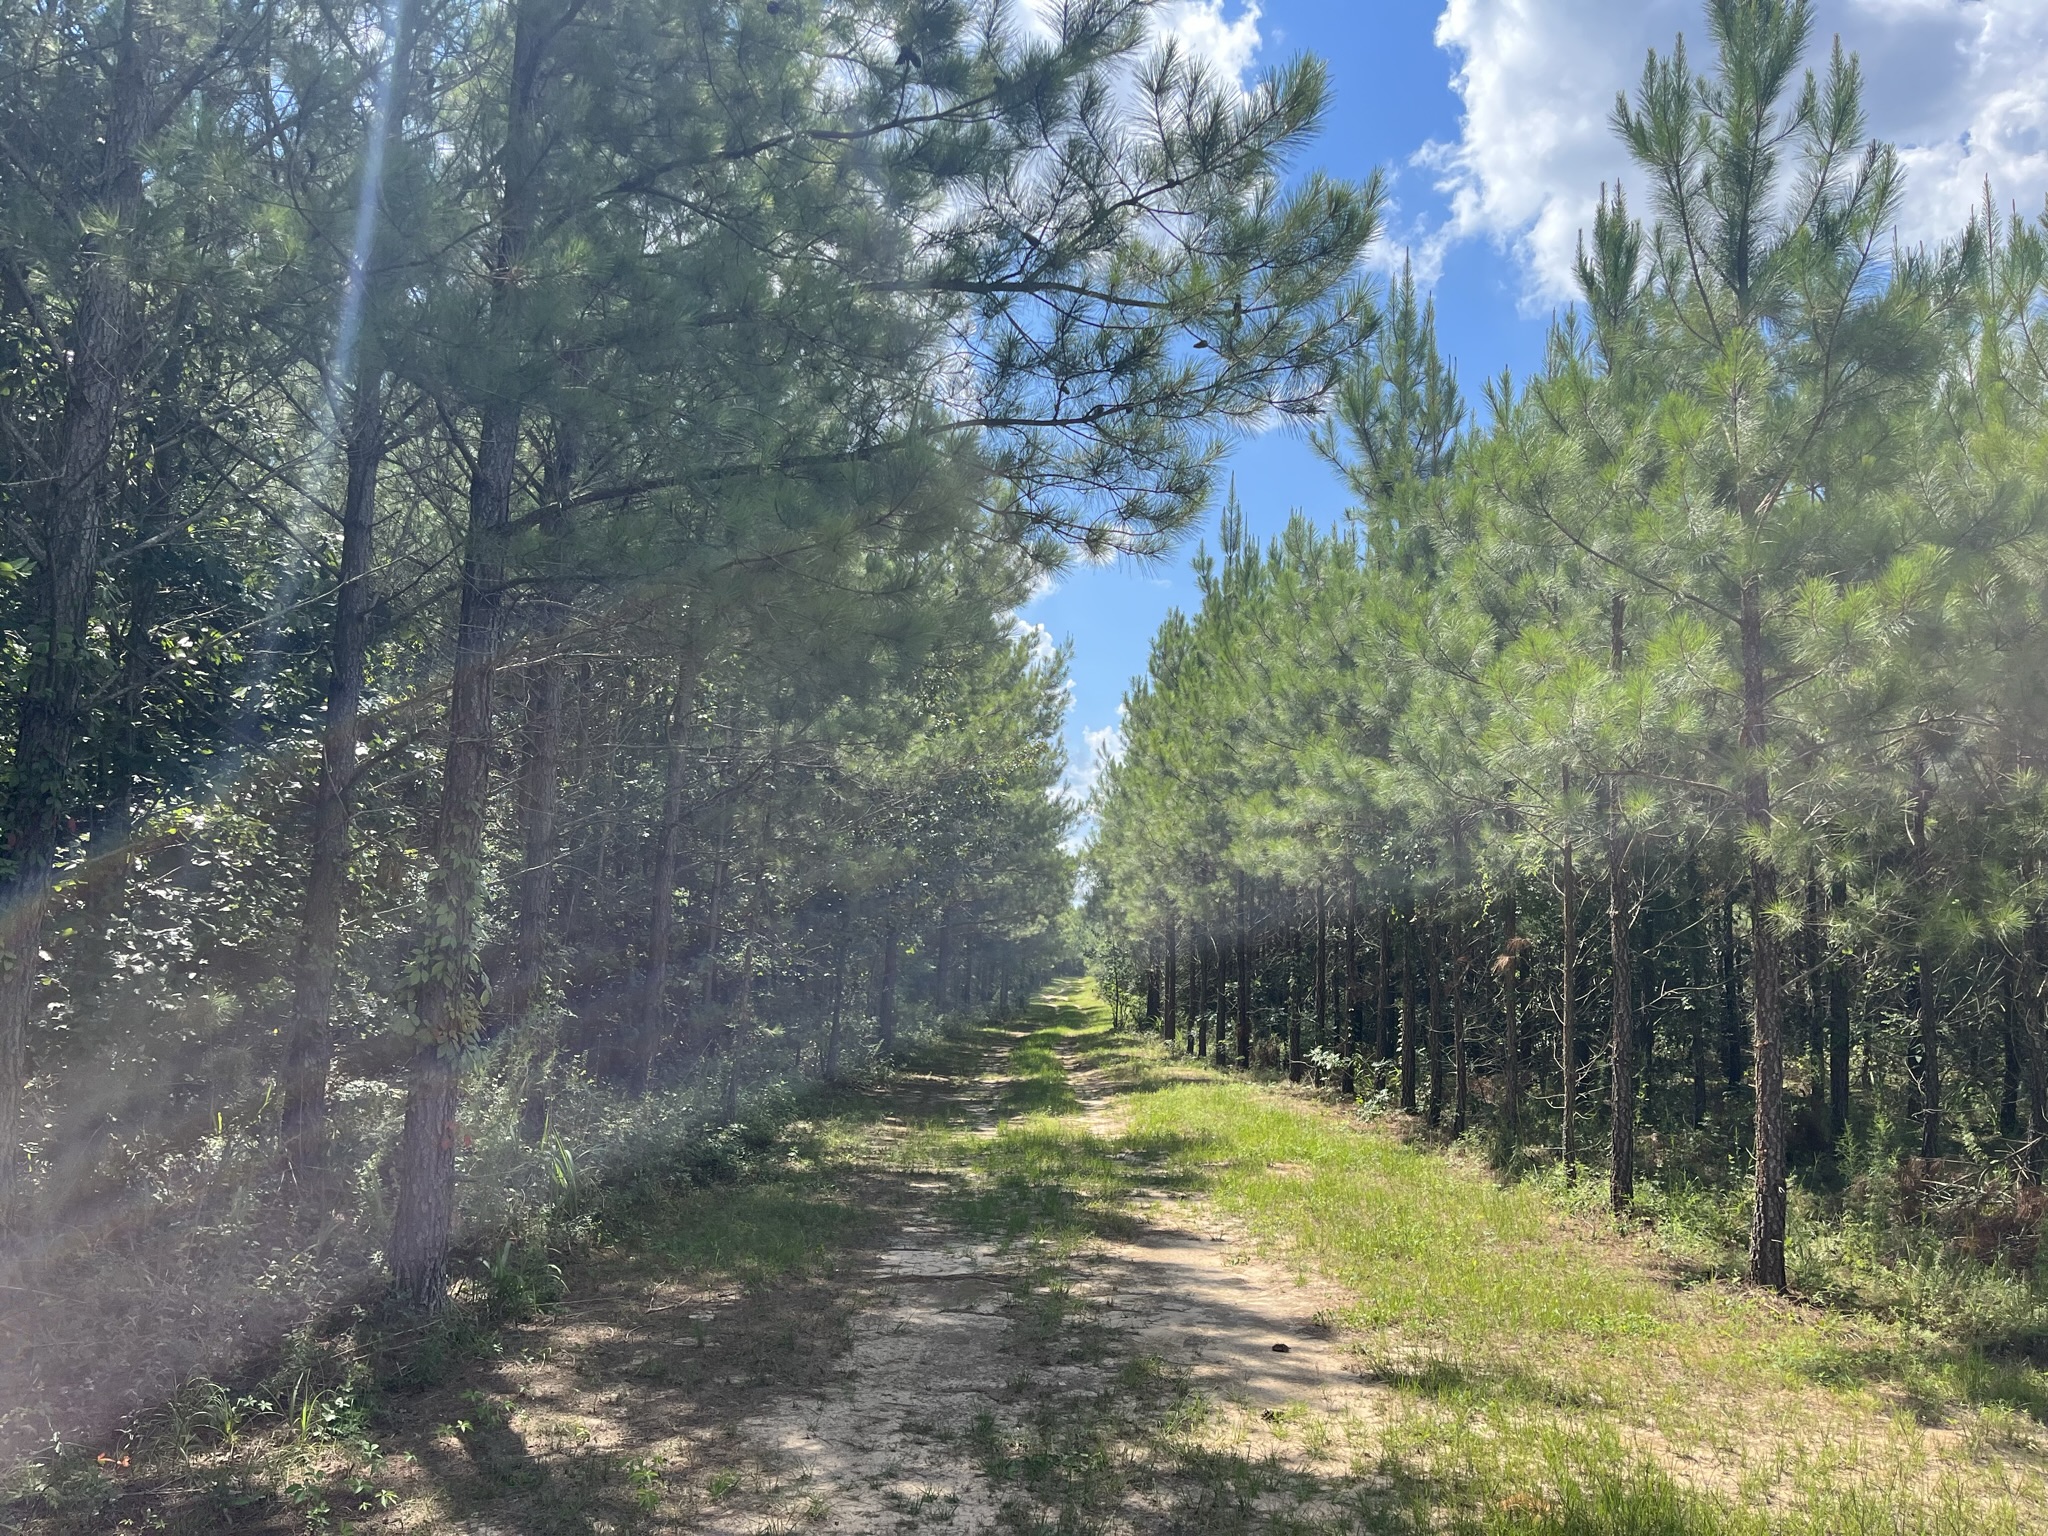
pixel 659 1176
pixel 1953 1249
pixel 1876 1242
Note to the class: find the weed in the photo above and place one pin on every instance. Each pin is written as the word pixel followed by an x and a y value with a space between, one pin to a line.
pixel 643 1477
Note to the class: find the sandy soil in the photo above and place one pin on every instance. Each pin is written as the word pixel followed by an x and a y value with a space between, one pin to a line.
pixel 938 1347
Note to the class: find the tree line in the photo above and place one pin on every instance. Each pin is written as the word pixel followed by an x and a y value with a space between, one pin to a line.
pixel 513 518
pixel 1655 756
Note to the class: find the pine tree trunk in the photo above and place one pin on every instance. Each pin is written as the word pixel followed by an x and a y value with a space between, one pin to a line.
pixel 69 510
pixel 541 775
pixel 1297 1068
pixel 1643 941
pixel 2009 1058
pixel 829 1069
pixel 446 1002
pixel 1731 996
pixel 1838 1022
pixel 1436 1022
pixel 1927 1000
pixel 1410 1018
pixel 1347 1026
pixel 1322 970
pixel 1383 1026
pixel 1767 1219
pixel 1621 1156
pixel 1511 1027
pixel 714 919
pixel 1460 1061
pixel 661 916
pixel 1170 1026
pixel 1568 1017
pixel 1209 973
pixel 1699 968
pixel 885 1008
pixel 1621 1151
pixel 316 961
pixel 1244 977
pixel 2029 975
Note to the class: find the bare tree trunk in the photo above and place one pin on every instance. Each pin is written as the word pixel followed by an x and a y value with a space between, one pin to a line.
pixel 714 918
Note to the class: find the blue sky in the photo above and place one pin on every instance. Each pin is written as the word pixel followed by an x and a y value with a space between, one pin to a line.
pixel 1489 119
pixel 1393 94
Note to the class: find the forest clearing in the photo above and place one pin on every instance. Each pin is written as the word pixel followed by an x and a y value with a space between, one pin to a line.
pixel 1050 1277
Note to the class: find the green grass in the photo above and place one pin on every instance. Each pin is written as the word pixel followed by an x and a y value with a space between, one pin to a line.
pixel 1545 1374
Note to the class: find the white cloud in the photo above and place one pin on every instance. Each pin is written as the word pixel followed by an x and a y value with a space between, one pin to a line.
pixel 1961 86
pixel 1226 43
pixel 1224 34
pixel 1105 746
pixel 1043 647
pixel 1100 748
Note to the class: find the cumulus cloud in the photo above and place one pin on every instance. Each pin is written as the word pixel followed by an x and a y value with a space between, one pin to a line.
pixel 1961 86
pixel 1043 647
pixel 1224 34
pixel 1228 43
pixel 1100 747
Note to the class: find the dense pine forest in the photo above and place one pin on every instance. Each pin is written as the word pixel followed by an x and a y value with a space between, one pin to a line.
pixel 513 517
pixel 1647 778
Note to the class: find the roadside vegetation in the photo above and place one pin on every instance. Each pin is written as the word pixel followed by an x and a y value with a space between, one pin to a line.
pixel 1500 1362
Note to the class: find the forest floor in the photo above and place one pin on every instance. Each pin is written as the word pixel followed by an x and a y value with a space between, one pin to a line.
pixel 1048 1278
